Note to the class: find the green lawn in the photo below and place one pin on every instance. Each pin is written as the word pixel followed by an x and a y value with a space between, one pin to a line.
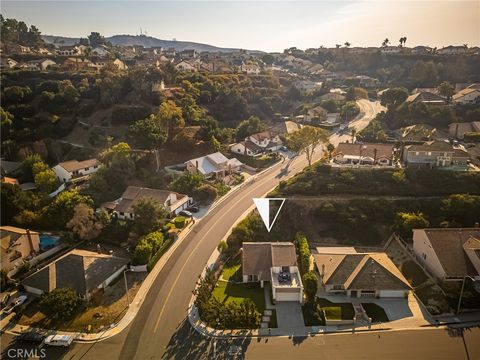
pixel 231 270
pixel 337 311
pixel 229 292
pixel 375 312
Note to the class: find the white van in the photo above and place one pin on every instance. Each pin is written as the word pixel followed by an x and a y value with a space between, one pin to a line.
pixel 59 340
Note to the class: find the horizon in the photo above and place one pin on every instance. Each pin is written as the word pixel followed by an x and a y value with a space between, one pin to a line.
pixel 270 26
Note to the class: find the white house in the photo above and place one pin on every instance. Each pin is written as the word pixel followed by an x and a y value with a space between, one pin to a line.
pixel 359 274
pixel 467 96
pixel 276 263
pixel 248 148
pixel 185 66
pixel 123 208
pixel 453 50
pixel 449 254
pixel 100 51
pixel 42 64
pixel 251 69
pixel 68 51
pixel 214 165
pixel 75 170
pixel 266 140
pixel 8 63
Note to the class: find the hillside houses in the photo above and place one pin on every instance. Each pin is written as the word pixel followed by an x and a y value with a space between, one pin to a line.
pixel 213 166
pixel 364 154
pixel 75 171
pixel 467 96
pixel 435 153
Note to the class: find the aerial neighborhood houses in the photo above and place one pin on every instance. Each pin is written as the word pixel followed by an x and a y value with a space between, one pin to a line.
pixel 124 207
pixel 75 171
pixel 343 271
pixel 434 153
pixel 213 166
pixel 17 246
pixel 274 263
pixel 449 254
pixel 458 130
pixel 256 144
pixel 467 96
pixel 364 154
pixel 84 271
pixel 425 97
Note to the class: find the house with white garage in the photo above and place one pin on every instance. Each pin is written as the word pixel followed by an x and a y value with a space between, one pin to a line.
pixel 248 148
pixel 76 171
pixel 449 254
pixel 124 207
pixel 364 154
pixel 346 272
pixel 267 140
pixel 213 166
pixel 274 263
pixel 84 271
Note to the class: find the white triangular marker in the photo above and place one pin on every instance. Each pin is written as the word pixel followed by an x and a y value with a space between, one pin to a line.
pixel 263 207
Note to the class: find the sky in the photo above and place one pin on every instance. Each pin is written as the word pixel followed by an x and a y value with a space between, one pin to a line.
pixel 261 25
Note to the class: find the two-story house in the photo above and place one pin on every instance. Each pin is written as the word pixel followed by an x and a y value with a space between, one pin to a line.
pixel 215 166
pixel 74 170
pixel 434 153
pixel 267 140
pixel 274 263
pixel 449 254
pixel 124 207
pixel 16 245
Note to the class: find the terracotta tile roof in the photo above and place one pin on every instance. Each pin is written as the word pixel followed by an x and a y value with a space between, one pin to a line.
pixel 259 258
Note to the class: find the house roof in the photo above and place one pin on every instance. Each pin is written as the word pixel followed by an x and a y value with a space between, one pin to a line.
pixel 259 258
pixel 367 271
pixel 420 132
pixel 461 128
pixel 9 166
pixel 465 92
pixel 264 135
pixel 448 245
pixel 366 150
pixel 133 194
pixel 251 146
pixel 433 145
pixel 80 270
pixel 74 165
pixel 10 234
pixel 425 96
pixel 209 163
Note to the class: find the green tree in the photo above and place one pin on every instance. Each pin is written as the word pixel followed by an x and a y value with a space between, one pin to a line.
pixel 306 140
pixel 149 214
pixel 84 223
pixel 462 209
pixel 446 90
pixel 248 127
pixel 405 222
pixel 62 208
pixel 393 97
pixel 170 115
pixel 349 111
pixel 59 303
pixel 330 149
pixel 143 252
pixel 303 252
pixel 95 39
pixel 186 183
pixel 310 283
pixel 46 181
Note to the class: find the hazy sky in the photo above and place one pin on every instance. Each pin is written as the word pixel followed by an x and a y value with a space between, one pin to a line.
pixel 262 25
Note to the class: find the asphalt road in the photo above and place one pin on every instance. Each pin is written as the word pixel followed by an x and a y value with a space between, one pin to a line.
pixel 158 329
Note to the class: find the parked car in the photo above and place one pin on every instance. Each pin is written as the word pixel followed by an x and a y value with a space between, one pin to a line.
pixel 31 336
pixel 193 208
pixel 17 302
pixel 185 213
pixel 283 148
pixel 59 340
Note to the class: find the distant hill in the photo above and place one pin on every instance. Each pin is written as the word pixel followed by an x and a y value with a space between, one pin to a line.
pixel 145 41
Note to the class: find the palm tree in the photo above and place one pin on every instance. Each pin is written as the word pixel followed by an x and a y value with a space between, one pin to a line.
pixel 404 40
pixel 347 44
pixel 337 46
pixel 385 42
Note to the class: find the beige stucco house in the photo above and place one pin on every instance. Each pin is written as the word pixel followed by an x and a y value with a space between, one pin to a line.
pixel 17 245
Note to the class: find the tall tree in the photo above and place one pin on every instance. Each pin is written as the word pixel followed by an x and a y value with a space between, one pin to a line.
pixel 84 223
pixel 306 140
pixel 446 90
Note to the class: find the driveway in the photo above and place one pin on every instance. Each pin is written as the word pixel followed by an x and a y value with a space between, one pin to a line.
pixel 289 315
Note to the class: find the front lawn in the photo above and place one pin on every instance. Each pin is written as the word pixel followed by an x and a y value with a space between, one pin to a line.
pixel 337 311
pixel 227 292
pixel 375 312
pixel 231 270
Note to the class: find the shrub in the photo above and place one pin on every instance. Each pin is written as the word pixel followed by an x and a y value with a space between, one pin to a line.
pixel 122 114
pixel 310 283
pixel 143 253
pixel 59 303
pixel 179 222
pixel 303 252
pixel 223 246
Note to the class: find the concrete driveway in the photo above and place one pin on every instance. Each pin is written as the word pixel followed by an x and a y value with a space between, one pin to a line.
pixel 289 315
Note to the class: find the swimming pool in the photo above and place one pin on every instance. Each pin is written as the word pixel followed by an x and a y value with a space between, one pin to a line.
pixel 48 241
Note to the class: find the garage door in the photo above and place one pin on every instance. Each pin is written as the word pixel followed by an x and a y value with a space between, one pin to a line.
pixel 288 297
pixel 391 293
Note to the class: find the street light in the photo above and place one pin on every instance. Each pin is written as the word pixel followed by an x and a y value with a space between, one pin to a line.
pixel 126 286
pixel 461 291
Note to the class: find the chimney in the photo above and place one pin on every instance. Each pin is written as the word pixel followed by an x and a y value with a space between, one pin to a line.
pixel 30 242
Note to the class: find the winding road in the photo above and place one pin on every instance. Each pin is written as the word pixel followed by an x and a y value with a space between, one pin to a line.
pixel 160 326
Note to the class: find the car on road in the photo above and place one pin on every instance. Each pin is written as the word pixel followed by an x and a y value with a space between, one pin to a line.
pixel 185 213
pixel 17 302
pixel 193 208
pixel 31 336
pixel 59 340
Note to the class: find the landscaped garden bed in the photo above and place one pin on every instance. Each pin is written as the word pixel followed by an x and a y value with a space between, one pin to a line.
pixel 375 312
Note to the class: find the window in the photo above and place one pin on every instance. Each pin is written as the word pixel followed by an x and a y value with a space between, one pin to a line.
pixel 87 168
pixel 252 278
pixel 417 153
pixel 285 269
pixel 429 153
